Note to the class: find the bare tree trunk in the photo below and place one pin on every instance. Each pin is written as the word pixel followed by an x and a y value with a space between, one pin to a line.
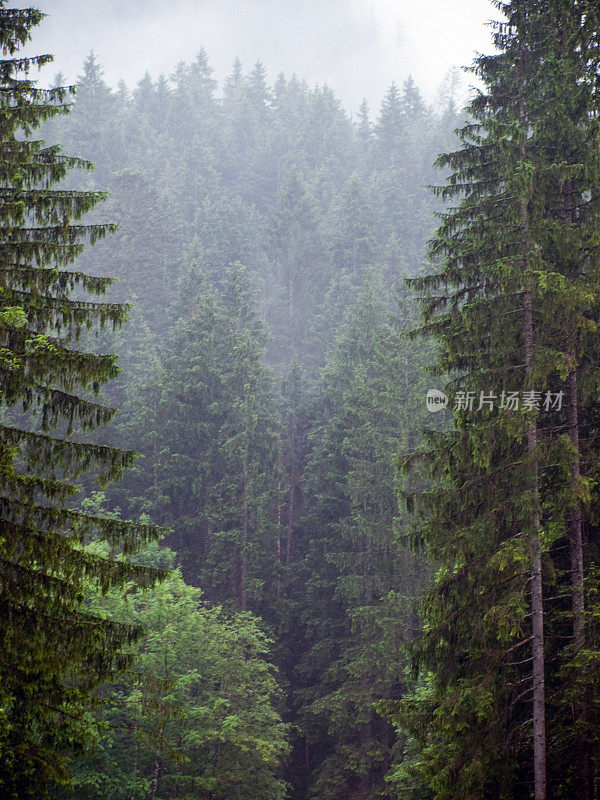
pixel 576 526
pixel 157 774
pixel 278 522
pixel 245 519
pixel 291 515
pixel 537 602
pixel 293 485
pixel 279 586
pixel 576 516
pixel 537 598
pixel 291 307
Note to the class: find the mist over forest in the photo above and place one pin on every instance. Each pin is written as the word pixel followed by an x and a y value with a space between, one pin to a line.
pixel 356 47
pixel 300 401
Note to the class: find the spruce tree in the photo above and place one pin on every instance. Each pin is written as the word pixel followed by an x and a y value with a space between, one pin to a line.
pixel 357 574
pixel 206 423
pixel 390 123
pixel 510 306
pixel 52 652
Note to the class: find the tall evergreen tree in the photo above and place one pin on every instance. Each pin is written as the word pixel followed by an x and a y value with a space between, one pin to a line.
pixel 390 123
pixel 52 651
pixel 358 575
pixel 206 424
pixel 95 128
pixel 505 305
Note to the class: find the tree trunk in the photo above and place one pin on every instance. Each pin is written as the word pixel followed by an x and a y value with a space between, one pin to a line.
pixel 576 526
pixel 245 518
pixel 291 515
pixel 293 486
pixel 279 522
pixel 279 586
pixel 291 307
pixel 537 601
pixel 157 773
pixel 576 516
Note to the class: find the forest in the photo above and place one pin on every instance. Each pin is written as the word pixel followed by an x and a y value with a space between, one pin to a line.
pixel 240 557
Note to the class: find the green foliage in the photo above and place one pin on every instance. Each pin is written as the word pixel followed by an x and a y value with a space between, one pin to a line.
pixel 206 423
pixel 359 577
pixel 518 233
pixel 259 474
pixel 196 715
pixel 53 651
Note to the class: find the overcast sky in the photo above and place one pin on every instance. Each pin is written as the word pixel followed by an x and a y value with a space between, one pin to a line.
pixel 355 46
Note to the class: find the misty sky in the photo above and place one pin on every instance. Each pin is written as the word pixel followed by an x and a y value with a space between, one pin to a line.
pixel 355 46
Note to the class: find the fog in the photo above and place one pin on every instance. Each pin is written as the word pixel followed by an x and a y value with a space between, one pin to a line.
pixel 333 592
pixel 357 47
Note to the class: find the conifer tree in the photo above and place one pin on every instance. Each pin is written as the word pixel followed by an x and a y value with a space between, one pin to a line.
pixel 95 128
pixel 206 424
pixel 52 652
pixel 365 129
pixel 412 104
pixel 357 574
pixel 505 306
pixel 353 230
pixel 390 123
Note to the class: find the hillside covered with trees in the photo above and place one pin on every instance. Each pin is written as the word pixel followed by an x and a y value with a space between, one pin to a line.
pixel 267 381
pixel 305 585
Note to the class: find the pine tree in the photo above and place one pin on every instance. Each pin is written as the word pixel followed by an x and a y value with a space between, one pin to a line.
pixel 353 231
pixel 411 103
pixel 357 574
pixel 138 255
pixel 514 257
pixel 294 250
pixel 206 424
pixel 389 127
pixel 94 127
pixel 404 147
pixel 52 652
pixel 258 88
